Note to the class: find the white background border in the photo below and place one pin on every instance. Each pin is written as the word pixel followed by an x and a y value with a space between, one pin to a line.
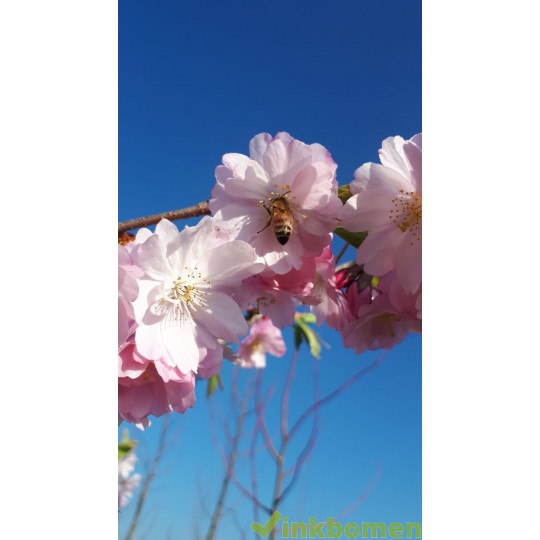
pixel 58 171
pixel 58 167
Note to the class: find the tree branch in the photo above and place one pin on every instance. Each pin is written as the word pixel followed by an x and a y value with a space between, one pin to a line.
pixel 149 477
pixel 199 209
pixel 357 376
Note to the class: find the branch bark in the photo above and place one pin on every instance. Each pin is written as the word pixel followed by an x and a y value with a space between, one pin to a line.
pixel 200 209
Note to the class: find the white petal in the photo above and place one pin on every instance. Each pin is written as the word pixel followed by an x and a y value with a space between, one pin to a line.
pixel 167 231
pixel 258 145
pixel 149 293
pixel 180 344
pixel 223 317
pixel 150 256
pixel 230 263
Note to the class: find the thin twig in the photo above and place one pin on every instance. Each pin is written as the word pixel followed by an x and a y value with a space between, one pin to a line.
pixel 364 496
pixel 199 209
pixel 306 451
pixel 341 253
pixel 285 397
pixel 149 477
pixel 357 376
pixel 233 453
pixel 260 419
pixel 253 469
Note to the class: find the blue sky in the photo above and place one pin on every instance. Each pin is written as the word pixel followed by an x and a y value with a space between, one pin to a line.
pixel 199 79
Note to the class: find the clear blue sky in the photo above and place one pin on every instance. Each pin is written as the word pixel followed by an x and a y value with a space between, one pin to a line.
pixel 199 79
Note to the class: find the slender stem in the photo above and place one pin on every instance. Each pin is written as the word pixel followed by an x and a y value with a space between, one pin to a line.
pixel 199 209
pixel 342 252
pixel 218 510
pixel 285 397
pixel 229 473
pixel 149 477
pixel 356 377
pixel 278 482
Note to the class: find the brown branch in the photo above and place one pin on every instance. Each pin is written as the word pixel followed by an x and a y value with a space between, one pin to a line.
pixel 200 209
pixel 260 419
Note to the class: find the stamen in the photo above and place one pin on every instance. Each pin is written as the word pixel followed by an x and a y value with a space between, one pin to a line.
pixel 407 212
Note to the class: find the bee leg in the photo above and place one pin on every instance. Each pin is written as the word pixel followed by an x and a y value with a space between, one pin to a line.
pixel 267 225
pixel 269 219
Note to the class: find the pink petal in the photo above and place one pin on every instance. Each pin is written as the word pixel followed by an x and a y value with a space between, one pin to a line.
pixel 230 263
pixel 409 262
pixel 223 318
pixel 377 252
pixel 258 145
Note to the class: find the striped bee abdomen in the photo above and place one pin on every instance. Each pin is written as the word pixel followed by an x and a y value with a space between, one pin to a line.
pixel 282 230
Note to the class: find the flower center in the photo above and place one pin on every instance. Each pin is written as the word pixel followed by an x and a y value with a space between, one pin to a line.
pixel 256 345
pixel 286 193
pixel 406 213
pixel 186 296
pixel 387 320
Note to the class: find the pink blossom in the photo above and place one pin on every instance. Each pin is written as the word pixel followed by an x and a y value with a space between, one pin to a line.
pixel 378 325
pixel 382 315
pixel 330 304
pixel 387 202
pixel 153 387
pixel 277 296
pixel 184 302
pixel 149 395
pixel 128 291
pixel 149 388
pixel 263 338
pixel 128 480
pixel 281 166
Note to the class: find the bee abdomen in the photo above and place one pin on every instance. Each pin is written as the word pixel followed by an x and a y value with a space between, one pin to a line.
pixel 282 232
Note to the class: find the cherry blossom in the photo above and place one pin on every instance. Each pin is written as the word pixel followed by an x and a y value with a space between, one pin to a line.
pixel 378 323
pixel 184 301
pixel 279 166
pixel 277 296
pixel 330 304
pixel 128 480
pixel 387 202
pixel 263 338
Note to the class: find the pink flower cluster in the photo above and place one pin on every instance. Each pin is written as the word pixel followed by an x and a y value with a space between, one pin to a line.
pixel 176 310
pixel 387 202
pixel 183 295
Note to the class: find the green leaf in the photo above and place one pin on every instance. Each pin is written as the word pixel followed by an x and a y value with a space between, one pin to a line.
pixel 311 338
pixel 344 193
pixel 213 383
pixel 125 447
pixel 297 336
pixel 355 239
pixel 308 318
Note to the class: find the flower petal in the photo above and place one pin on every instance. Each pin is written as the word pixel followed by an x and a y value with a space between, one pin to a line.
pixel 230 263
pixel 223 317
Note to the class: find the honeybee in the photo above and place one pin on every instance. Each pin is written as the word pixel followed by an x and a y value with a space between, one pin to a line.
pixel 281 218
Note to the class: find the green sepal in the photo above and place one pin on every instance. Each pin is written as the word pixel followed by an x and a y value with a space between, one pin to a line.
pixel 354 239
pixel 213 383
pixel 344 193
pixel 302 331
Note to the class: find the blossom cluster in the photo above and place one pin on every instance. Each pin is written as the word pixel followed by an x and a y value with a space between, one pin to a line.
pixel 128 480
pixel 238 277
